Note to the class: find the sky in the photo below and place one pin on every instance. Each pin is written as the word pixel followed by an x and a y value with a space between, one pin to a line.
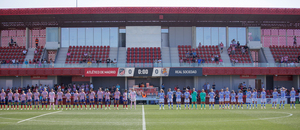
pixel 149 3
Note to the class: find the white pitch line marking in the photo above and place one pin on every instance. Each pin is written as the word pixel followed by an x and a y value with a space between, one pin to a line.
pixel 38 116
pixel 144 121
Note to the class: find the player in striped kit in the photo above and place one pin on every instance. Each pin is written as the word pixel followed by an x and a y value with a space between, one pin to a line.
pixel 44 98
pixel 92 98
pixel 117 98
pixel 202 98
pixel 133 98
pixel 275 96
pixel 82 98
pixel 227 98
pixel 161 99
pixel 23 100
pixel 2 101
pixel 60 94
pixel 75 99
pixel 240 99
pixel 293 97
pixel 170 98
pixel 211 96
pixel 100 94
pixel 29 99
pixel 51 99
pixel 282 97
pixel 16 100
pixel 10 99
pixel 36 96
pixel 233 99
pixel 68 100
pixel 254 98
pixel 107 99
pixel 125 99
pixel 178 99
pixel 187 99
pixel 248 98
pixel 221 99
pixel 263 98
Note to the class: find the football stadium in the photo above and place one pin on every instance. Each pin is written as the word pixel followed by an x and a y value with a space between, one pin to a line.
pixel 149 68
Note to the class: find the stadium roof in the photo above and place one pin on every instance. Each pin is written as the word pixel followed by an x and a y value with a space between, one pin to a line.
pixel 149 16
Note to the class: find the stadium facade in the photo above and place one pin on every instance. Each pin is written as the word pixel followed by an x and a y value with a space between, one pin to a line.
pixel 137 36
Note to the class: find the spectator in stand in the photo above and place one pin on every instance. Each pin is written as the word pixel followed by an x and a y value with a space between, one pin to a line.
pixel 246 47
pixel 24 52
pixel 85 54
pixel 299 59
pixel 187 54
pixel 26 62
pixel 89 62
pixel 13 61
pixel 243 51
pixel 17 61
pixel 220 61
pixel 232 61
pixel 118 86
pixel 199 61
pixel 233 42
pixel 208 86
pixel 68 54
pixel 213 86
pixel 30 62
pixel 221 46
pixel 233 50
pixel 36 42
pixel 199 45
pixel 181 61
pixel 8 61
pixel 212 58
pixel 159 61
pixel 236 61
pixel 35 52
pixel 94 61
pixel 229 50
pixel 115 61
pixel 184 60
pixel 194 54
pixel 238 44
pixel 191 54
pixel 84 60
pixel 90 55
pixel 286 58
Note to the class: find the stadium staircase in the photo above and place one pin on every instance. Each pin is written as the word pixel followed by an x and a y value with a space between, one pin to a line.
pixel 113 53
pixel 165 53
pixel 225 56
pixel 62 55
pixel 268 55
pixel 174 56
pixel 30 54
pixel 122 55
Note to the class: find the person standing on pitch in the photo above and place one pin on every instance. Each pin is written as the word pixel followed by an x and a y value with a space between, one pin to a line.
pixel 227 98
pixel 133 98
pixel 282 95
pixel 254 98
pixel 263 98
pixel 275 95
pixel 221 99
pixel 161 99
pixel 240 99
pixel 211 96
pixel 202 98
pixel 186 99
pixel 178 99
pixel 293 95
pixel 233 99
pixel 194 98
pixel 248 98
pixel 170 98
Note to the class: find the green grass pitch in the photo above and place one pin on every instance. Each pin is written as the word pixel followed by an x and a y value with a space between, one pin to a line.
pixel 266 119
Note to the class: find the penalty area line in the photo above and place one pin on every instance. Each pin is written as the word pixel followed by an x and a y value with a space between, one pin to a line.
pixel 38 116
pixel 144 121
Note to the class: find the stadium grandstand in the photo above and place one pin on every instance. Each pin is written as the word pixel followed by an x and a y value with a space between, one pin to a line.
pixel 152 47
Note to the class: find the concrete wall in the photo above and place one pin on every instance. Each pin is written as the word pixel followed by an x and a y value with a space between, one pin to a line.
pixel 171 82
pixel 180 36
pixel 16 82
pixel 143 36
pixel 220 81
pixel 108 82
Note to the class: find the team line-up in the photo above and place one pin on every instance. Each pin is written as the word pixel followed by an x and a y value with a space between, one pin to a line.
pixel 103 97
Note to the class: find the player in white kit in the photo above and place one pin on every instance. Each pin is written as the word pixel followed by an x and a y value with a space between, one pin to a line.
pixel 248 98
pixel 178 99
pixel 23 100
pixel 36 96
pixel 68 100
pixel 293 97
pixel 170 98
pixel 60 94
pixel 161 99
pixel 117 98
pixel 133 98
pixel 2 100
pixel 16 100
pixel 100 95
pixel 51 99
pixel 75 99
pixel 29 99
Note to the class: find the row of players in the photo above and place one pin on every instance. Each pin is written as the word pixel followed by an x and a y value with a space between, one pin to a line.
pixel 226 98
pixel 78 98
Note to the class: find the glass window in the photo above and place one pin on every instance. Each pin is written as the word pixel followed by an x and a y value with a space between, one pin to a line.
pixel 65 37
pixel 122 30
pixel 254 33
pixel 113 37
pixel 164 30
pixel 97 36
pixel 89 41
pixel 81 36
pixel 73 36
pixel 105 36
pixel 222 35
pixel 52 34
pixel 214 35
pixel 207 36
pixel 232 34
pixel 241 32
pixel 199 35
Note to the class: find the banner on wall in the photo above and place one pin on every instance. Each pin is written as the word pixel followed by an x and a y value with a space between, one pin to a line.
pixel 161 71
pixel 248 76
pixel 80 78
pixel 185 72
pixel 283 78
pixel 101 72
pixel 143 72
pixel 128 72
pixel 38 77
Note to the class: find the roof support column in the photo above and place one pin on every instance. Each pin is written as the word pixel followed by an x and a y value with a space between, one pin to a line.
pixel 59 37
pixel 196 85
pixel 227 38
pixel 126 84
pixel 230 82
pixel 194 44
pixel 27 37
